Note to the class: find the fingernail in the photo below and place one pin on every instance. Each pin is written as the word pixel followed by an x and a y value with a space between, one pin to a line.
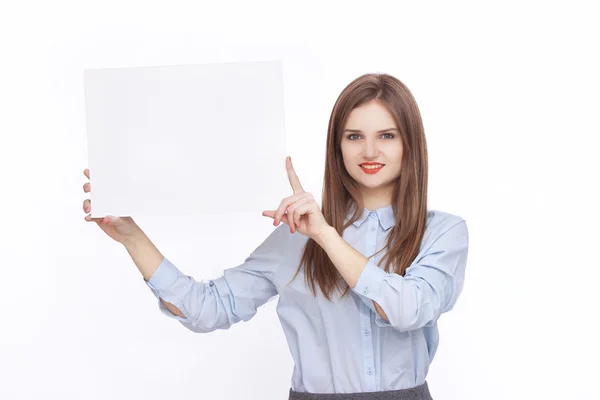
pixel 275 223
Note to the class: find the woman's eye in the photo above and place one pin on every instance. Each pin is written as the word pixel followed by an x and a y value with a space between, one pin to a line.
pixel 351 136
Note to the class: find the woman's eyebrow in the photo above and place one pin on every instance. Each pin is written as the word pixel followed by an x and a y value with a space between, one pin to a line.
pixel 381 131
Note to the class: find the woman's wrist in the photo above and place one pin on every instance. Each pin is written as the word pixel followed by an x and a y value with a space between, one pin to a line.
pixel 324 237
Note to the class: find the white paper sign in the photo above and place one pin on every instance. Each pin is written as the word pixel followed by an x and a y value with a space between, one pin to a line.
pixel 184 140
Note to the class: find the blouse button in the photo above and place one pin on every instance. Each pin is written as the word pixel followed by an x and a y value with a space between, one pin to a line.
pixel 366 291
pixel 372 228
pixel 372 214
pixel 370 371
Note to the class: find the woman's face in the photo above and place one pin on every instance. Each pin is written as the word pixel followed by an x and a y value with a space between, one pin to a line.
pixel 372 136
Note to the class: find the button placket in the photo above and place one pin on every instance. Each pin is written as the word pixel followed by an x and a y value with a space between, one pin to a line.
pixel 365 322
pixel 372 234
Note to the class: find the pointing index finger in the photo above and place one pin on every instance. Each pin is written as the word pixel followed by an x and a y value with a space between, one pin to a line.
pixel 294 181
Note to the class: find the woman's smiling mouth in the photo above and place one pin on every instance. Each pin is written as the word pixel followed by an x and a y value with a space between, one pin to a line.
pixel 371 168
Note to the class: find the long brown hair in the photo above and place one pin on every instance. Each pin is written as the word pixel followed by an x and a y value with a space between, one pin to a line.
pixel 341 192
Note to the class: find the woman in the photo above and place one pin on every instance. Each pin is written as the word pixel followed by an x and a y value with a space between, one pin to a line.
pixel 361 280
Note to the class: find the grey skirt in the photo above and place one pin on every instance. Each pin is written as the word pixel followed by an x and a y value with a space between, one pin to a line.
pixel 416 393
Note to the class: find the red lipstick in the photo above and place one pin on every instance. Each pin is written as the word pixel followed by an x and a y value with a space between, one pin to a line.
pixel 371 171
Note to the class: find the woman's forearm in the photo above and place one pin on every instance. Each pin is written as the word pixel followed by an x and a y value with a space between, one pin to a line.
pixel 348 261
pixel 147 258
pixel 144 253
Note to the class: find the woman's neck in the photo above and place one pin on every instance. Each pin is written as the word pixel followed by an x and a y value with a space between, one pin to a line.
pixel 379 198
pixel 374 204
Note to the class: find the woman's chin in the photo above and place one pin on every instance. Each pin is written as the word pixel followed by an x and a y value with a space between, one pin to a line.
pixel 375 185
pixel 371 185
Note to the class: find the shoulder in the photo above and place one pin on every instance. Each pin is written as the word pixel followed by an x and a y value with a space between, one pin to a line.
pixel 281 242
pixel 275 243
pixel 443 224
pixel 437 219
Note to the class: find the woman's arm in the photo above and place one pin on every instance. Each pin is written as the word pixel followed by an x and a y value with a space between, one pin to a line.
pixel 207 305
pixel 429 288
pixel 349 262
pixel 147 258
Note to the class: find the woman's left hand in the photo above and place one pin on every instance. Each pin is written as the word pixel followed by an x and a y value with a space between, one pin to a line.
pixel 299 211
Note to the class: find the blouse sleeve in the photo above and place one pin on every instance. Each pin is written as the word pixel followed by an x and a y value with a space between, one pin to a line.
pixel 430 287
pixel 222 302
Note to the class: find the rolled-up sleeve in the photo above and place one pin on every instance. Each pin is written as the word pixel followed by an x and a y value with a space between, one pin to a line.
pixel 430 286
pixel 233 297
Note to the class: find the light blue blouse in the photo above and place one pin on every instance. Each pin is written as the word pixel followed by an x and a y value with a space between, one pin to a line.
pixel 341 346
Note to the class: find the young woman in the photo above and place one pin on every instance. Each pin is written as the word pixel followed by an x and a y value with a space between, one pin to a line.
pixel 362 280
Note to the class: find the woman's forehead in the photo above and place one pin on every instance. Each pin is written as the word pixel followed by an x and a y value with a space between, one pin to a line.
pixel 370 117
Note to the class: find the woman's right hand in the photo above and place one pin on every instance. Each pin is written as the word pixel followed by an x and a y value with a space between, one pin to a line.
pixel 118 228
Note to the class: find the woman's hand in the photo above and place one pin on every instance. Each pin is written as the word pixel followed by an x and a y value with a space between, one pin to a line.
pixel 118 228
pixel 299 211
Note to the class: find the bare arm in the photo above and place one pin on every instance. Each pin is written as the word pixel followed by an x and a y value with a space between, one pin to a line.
pixel 348 261
pixel 147 258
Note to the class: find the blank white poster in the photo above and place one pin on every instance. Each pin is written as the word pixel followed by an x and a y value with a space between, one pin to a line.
pixel 186 139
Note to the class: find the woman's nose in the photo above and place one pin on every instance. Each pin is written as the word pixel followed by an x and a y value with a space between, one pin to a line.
pixel 370 150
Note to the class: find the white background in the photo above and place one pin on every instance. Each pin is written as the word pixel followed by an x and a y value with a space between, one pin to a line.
pixel 509 97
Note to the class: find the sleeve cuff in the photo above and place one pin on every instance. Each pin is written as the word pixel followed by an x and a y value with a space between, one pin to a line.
pixel 368 288
pixel 161 281
pixel 370 281
pixel 164 277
